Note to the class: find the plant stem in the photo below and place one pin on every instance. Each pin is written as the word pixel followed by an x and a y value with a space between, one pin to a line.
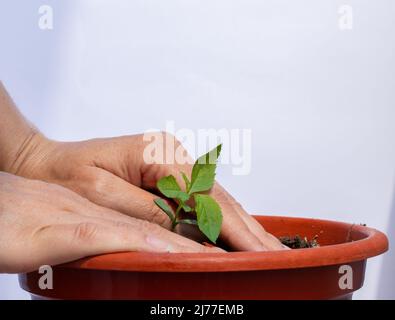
pixel 188 221
pixel 175 221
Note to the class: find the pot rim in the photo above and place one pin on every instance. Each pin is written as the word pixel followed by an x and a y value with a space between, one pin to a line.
pixel 374 243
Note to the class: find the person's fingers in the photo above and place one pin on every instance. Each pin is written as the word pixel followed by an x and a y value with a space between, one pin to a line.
pixel 185 230
pixel 236 234
pixel 110 217
pixel 113 198
pixel 67 242
pixel 59 243
pixel 107 190
pixel 157 238
pixel 269 240
pixel 231 209
pixel 182 244
pixel 106 215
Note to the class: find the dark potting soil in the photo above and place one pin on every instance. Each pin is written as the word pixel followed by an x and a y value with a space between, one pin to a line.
pixel 298 242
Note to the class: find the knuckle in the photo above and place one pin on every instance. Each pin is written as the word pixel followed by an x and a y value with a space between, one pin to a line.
pixel 85 231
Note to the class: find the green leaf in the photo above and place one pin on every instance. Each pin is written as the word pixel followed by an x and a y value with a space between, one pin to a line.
pixel 203 172
pixel 165 207
pixel 186 180
pixel 170 188
pixel 188 221
pixel 209 216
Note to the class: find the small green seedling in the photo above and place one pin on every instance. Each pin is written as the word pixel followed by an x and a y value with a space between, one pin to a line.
pixel 208 212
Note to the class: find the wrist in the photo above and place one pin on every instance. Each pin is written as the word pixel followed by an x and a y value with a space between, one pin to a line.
pixel 29 155
pixel 21 144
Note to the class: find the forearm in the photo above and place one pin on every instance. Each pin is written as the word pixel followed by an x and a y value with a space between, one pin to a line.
pixel 18 137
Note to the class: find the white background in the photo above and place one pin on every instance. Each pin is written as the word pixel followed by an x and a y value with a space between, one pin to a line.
pixel 320 101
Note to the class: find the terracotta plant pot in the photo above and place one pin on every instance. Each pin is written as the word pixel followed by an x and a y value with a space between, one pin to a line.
pixel 333 271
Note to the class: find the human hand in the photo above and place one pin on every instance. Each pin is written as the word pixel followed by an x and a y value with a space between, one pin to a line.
pixel 46 224
pixel 112 173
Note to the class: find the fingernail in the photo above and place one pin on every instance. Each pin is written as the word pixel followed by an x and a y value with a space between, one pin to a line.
pixel 159 244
